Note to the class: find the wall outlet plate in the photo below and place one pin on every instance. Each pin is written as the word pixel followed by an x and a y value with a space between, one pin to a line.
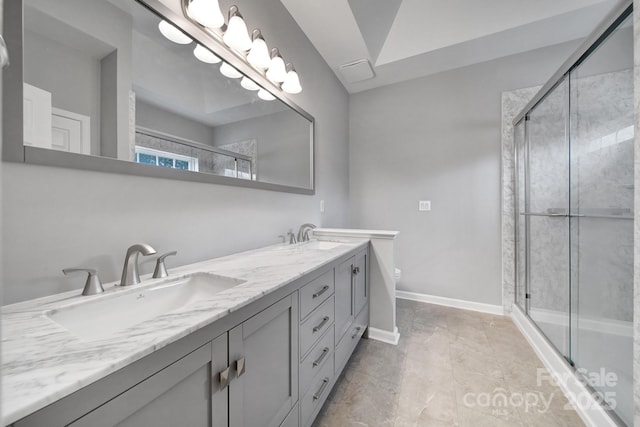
pixel 424 205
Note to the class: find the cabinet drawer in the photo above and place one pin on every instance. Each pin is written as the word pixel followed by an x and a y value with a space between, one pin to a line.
pixel 315 326
pixel 316 359
pixel 317 394
pixel 350 340
pixel 315 293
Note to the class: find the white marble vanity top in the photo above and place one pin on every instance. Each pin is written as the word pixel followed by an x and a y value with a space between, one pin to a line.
pixel 43 362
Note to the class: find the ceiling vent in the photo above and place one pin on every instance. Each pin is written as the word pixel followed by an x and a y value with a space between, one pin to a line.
pixel 357 71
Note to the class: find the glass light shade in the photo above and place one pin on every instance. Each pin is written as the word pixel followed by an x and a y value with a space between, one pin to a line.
pixel 263 94
pixel 249 84
pixel 172 33
pixel 259 54
pixel 291 83
pixel 205 55
pixel 236 36
pixel 228 71
pixel 277 71
pixel 206 12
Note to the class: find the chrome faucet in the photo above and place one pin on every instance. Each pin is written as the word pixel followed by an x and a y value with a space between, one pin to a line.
pixel 303 232
pixel 130 275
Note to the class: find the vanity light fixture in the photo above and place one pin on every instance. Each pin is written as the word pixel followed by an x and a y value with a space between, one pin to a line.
pixel 236 35
pixel 206 12
pixel 265 95
pixel 277 71
pixel 249 48
pixel 259 54
pixel 172 33
pixel 249 84
pixel 291 82
pixel 205 55
pixel 228 71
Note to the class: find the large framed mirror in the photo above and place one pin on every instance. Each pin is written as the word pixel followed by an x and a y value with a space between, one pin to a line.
pixel 103 89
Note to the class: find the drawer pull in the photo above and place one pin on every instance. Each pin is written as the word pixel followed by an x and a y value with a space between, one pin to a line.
pixel 240 368
pixel 325 319
pixel 357 332
pixel 356 271
pixel 324 289
pixel 318 394
pixel 321 358
pixel 223 377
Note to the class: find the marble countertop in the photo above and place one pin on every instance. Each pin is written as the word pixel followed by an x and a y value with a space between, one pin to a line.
pixel 43 362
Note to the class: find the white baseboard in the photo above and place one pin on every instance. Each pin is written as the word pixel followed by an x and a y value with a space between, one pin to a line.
pixel 593 414
pixel 451 302
pixel 384 336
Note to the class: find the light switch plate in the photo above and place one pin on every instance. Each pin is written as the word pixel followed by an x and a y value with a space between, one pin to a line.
pixel 424 205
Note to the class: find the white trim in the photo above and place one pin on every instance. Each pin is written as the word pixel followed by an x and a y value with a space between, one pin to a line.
pixel 85 126
pixel 354 232
pixel 594 415
pixel 384 336
pixel 452 302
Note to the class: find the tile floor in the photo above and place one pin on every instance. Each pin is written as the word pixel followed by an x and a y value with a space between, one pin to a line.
pixel 451 368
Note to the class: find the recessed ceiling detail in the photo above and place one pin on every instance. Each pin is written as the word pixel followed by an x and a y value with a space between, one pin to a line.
pixel 407 39
pixel 374 19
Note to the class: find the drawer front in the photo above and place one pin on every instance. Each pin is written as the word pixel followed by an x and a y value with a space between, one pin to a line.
pixel 315 360
pixel 315 326
pixel 315 293
pixel 317 394
pixel 350 340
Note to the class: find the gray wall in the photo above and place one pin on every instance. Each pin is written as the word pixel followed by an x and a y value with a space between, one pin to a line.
pixel 438 138
pixel 55 218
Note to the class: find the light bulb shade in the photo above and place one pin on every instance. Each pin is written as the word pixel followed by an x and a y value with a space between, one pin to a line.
pixel 228 71
pixel 205 55
pixel 206 13
pixel 259 54
pixel 236 36
pixel 291 83
pixel 172 33
pixel 277 71
pixel 264 95
pixel 249 84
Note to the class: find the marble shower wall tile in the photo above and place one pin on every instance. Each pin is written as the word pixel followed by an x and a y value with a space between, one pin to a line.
pixel 512 103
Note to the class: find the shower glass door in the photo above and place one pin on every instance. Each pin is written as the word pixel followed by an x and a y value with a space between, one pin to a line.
pixel 547 222
pixel 602 178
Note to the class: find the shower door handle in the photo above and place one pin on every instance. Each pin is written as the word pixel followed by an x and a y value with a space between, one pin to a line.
pixel 553 215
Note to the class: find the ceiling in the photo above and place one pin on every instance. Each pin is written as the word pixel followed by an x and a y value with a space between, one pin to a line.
pixel 406 39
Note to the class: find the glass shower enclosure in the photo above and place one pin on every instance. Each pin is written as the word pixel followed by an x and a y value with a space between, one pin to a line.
pixel 574 157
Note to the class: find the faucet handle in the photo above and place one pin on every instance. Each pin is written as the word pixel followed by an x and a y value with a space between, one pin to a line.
pixel 161 269
pixel 93 285
pixel 292 237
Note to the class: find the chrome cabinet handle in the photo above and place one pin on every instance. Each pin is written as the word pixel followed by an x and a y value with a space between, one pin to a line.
pixel 356 271
pixel 357 332
pixel 223 377
pixel 318 394
pixel 240 367
pixel 319 360
pixel 325 319
pixel 324 289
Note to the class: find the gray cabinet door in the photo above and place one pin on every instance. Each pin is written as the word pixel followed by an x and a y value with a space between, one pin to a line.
pixel 186 393
pixel 344 298
pixel 263 352
pixel 360 291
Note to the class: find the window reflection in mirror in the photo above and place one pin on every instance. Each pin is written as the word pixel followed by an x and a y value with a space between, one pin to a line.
pixel 100 79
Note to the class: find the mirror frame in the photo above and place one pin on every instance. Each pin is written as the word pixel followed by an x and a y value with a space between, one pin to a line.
pixel 14 150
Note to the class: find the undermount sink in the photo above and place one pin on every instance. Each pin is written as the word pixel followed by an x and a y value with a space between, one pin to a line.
pixel 110 314
pixel 325 245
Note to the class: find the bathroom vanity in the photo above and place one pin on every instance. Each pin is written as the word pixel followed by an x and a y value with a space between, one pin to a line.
pixel 265 350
